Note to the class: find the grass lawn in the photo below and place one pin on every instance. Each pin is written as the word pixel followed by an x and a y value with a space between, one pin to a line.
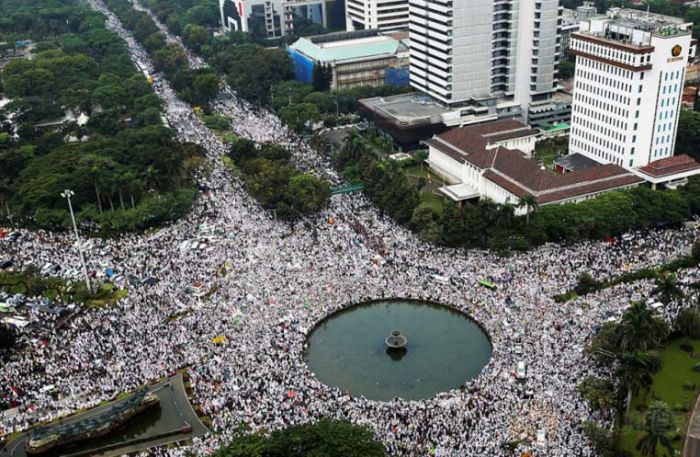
pixel 668 387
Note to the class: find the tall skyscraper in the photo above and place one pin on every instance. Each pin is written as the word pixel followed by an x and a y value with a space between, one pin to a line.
pixel 630 67
pixel 386 15
pixel 465 51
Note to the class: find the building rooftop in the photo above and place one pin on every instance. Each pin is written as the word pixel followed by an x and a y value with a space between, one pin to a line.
pixel 670 166
pixel 632 27
pixel 643 20
pixel 520 175
pixel 575 162
pixel 477 138
pixel 340 46
pixel 407 109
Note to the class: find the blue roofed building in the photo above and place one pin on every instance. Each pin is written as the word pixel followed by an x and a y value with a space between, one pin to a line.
pixel 359 58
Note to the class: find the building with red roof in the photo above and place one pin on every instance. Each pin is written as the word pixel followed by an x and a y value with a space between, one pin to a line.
pixel 482 161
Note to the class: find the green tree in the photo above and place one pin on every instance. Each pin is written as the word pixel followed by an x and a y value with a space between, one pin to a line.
pixel 635 371
pixel 688 137
pixel 658 424
pixel 307 194
pixel 291 92
pixel 598 393
pixel 667 288
pixel 109 97
pixel 586 284
pixel 203 15
pixel 529 202
pixel 687 323
pixel 425 221
pixel 195 36
pixel 169 59
pixel 325 438
pixel 205 86
pixel 299 116
pixel 263 69
pixel 640 329
pixel 602 439
pixel 566 69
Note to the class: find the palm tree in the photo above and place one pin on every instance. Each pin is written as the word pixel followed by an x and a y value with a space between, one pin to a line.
pixel 658 424
pixel 640 329
pixel 504 216
pixel 529 201
pixel 635 371
pixel 667 288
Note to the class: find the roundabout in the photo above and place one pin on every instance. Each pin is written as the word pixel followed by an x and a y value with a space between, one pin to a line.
pixel 359 351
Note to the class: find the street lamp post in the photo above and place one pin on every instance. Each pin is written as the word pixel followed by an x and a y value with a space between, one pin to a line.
pixel 337 108
pixel 67 194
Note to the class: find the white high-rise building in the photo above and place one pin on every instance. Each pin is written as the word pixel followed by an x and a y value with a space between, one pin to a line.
pixel 386 15
pixel 465 51
pixel 630 67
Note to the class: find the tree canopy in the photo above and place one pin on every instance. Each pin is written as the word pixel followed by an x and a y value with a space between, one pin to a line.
pixel 275 183
pixel 126 169
pixel 325 438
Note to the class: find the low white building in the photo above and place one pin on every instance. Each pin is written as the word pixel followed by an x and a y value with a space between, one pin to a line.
pixel 484 161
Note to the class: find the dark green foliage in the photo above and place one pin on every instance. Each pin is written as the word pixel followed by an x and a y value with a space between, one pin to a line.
pixel 490 225
pixel 252 69
pixel 666 285
pixel 124 178
pixel 586 284
pixel 275 183
pixel 688 138
pixel 599 393
pixel 325 438
pixel 566 69
pixel 300 116
pixel 640 329
pixel 180 14
pixel 687 323
pixel 385 183
pixel 198 87
pixel 658 425
pixel 7 337
pixel 602 439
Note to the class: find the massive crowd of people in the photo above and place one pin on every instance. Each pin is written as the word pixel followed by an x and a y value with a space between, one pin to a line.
pixel 266 284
